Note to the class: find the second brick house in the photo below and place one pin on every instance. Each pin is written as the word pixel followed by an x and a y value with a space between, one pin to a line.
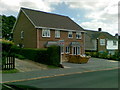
pixel 99 41
pixel 36 29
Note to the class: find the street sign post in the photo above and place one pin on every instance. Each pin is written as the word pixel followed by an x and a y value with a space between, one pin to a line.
pixel 61 44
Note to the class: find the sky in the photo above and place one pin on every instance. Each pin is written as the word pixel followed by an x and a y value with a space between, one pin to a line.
pixel 89 14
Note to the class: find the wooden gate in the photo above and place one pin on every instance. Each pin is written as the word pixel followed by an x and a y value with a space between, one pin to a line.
pixel 9 63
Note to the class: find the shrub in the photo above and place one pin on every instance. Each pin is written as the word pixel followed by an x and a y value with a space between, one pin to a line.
pixel 54 55
pixel 103 55
pixel 88 53
pixel 115 56
pixel 19 56
pixel 6 45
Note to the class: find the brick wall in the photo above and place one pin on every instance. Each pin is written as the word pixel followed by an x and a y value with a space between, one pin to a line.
pixel 102 47
pixel 63 36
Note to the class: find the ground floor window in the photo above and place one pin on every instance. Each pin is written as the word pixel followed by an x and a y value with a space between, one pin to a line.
pixel 76 50
pixel 67 49
pixel 62 50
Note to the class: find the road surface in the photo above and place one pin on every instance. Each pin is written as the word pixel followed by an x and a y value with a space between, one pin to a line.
pixel 97 79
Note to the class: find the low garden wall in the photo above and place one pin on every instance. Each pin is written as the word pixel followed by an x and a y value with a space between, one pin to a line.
pixel 78 59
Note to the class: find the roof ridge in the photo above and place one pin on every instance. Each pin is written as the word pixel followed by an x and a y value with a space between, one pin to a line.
pixel 43 12
pixel 95 31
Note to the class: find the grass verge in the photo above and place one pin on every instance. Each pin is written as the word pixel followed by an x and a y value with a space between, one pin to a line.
pixel 10 71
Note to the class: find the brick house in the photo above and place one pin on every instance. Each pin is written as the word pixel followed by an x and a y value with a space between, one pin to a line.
pixel 99 41
pixel 36 29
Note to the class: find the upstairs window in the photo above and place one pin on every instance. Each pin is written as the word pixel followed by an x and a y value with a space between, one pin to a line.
pixel 78 35
pixel 114 43
pixel 45 32
pixel 57 34
pixel 22 34
pixel 102 41
pixel 70 35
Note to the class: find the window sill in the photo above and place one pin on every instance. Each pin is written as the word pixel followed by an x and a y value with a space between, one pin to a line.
pixel 70 37
pixel 67 52
pixel 57 37
pixel 45 37
pixel 78 38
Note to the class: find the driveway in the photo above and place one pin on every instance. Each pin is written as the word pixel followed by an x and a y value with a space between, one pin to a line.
pixel 28 65
pixel 93 63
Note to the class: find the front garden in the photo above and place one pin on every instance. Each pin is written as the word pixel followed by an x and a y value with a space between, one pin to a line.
pixel 104 55
pixel 38 55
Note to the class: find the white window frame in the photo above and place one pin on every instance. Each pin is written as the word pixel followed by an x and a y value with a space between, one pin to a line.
pixel 57 34
pixel 22 34
pixel 102 41
pixel 78 34
pixel 67 49
pixel 62 49
pixel 45 32
pixel 70 32
pixel 78 50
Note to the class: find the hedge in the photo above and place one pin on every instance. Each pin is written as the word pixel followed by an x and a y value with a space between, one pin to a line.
pixel 40 55
pixel 104 55
pixel 54 55
pixel 50 56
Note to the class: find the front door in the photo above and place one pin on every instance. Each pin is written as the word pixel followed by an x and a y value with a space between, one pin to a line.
pixel 76 50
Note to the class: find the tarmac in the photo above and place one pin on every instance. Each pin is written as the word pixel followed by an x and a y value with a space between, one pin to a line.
pixel 94 64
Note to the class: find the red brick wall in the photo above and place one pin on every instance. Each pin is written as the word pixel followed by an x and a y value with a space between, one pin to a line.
pixel 63 36
pixel 102 47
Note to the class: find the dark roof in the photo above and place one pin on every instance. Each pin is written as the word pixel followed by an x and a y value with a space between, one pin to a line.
pixel 91 36
pixel 96 34
pixel 44 19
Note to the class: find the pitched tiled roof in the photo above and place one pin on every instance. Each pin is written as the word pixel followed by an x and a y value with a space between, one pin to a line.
pixel 91 36
pixel 96 34
pixel 44 19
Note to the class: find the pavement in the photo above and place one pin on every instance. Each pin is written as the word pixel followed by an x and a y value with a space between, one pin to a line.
pixel 94 64
pixel 28 65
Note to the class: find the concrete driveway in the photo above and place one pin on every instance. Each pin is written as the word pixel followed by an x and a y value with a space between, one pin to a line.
pixel 93 63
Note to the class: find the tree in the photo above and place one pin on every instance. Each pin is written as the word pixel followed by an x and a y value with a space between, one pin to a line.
pixel 7 25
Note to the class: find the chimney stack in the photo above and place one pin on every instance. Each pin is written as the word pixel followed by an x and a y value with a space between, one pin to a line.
pixel 116 35
pixel 99 29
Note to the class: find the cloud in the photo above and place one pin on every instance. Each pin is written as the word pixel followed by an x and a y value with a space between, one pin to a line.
pixel 14 5
pixel 99 13
pixel 107 27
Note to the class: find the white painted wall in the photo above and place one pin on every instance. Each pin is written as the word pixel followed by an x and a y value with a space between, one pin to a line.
pixel 110 45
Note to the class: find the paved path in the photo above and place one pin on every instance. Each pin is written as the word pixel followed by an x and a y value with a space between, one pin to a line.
pixel 28 65
pixel 94 64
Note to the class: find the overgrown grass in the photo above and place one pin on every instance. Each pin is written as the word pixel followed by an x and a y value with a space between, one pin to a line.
pixel 52 67
pixel 10 71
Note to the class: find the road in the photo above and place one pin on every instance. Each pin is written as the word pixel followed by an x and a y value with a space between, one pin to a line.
pixel 97 79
